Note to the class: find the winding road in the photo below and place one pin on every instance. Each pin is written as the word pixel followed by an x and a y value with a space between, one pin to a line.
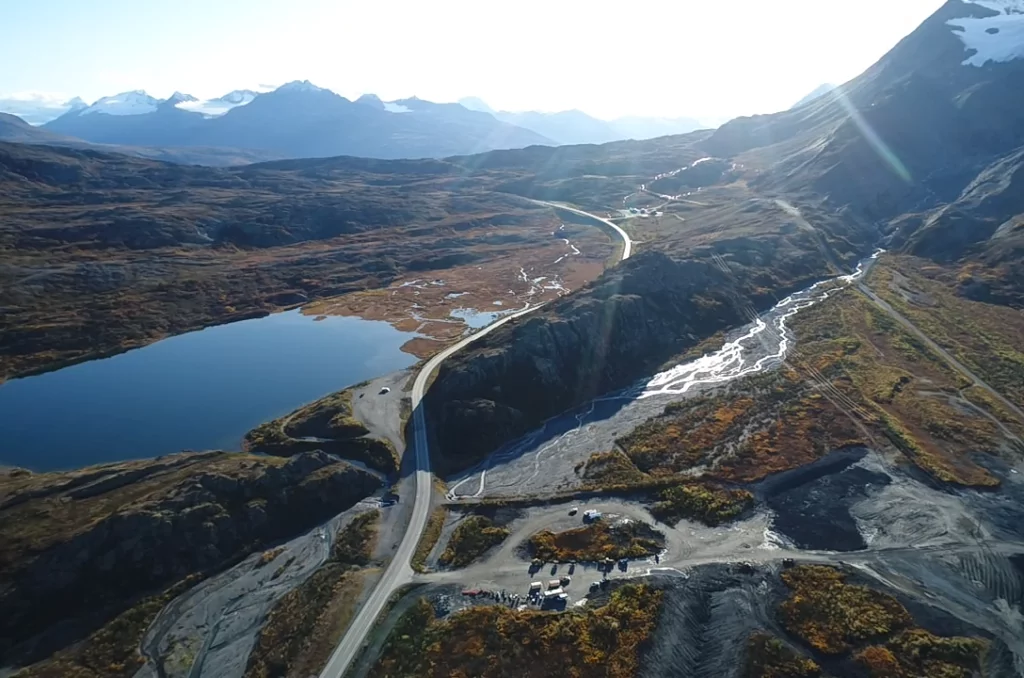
pixel 627 248
pixel 399 571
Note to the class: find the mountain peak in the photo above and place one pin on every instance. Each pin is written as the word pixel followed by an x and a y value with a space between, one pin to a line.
pixel 371 100
pixel 76 104
pixel 178 98
pixel 237 97
pixel 818 92
pixel 299 86
pixel 476 104
pixel 133 102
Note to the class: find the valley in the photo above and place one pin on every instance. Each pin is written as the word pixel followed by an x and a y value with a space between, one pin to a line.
pixel 739 403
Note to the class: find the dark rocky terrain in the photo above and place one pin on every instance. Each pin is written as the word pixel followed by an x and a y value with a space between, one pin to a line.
pixel 617 330
pixel 80 548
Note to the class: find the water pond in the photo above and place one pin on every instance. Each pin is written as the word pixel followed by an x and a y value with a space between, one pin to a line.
pixel 201 390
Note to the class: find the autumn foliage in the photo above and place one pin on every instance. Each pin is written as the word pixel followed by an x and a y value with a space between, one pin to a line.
pixel 917 652
pixel 832 616
pixel 835 617
pixel 769 657
pixel 495 641
pixel 597 541
pixel 471 539
pixel 704 502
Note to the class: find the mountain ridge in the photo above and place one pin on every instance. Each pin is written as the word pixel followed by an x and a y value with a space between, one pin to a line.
pixel 297 119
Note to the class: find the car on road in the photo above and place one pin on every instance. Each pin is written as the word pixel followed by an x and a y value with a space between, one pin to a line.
pixel 384 391
pixel 574 510
pixel 554 569
pixel 572 567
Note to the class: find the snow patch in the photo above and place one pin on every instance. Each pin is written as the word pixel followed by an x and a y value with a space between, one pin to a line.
pixel 396 108
pixel 136 102
pixel 213 108
pixel 997 38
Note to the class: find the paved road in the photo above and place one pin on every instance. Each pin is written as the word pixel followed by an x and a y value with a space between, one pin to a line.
pixel 627 249
pixel 399 572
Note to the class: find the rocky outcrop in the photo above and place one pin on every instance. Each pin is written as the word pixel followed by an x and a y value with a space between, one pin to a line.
pixel 328 425
pixel 600 339
pixel 80 556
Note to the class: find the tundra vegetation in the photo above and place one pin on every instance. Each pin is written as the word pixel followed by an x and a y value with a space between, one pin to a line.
pixel 431 533
pixel 492 641
pixel 704 502
pixel 597 541
pixel 327 424
pixel 837 618
pixel 474 536
pixel 856 377
pixel 769 657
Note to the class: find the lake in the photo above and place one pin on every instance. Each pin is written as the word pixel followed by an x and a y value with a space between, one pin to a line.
pixel 201 390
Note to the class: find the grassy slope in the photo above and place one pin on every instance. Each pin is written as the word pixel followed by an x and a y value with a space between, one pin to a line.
pixel 855 377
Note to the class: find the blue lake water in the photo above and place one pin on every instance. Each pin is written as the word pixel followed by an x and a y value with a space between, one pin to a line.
pixel 201 390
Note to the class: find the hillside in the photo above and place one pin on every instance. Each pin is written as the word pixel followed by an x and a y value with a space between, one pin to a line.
pixel 90 235
pixel 86 546
pixel 921 153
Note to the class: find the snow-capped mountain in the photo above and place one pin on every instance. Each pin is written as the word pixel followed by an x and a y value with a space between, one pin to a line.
pixel 38 108
pixel 912 130
pixel 179 98
pixel 298 119
pixel 211 108
pixel 300 86
pixel 136 102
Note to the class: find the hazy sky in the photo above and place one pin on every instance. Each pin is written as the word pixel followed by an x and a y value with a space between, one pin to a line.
pixel 704 58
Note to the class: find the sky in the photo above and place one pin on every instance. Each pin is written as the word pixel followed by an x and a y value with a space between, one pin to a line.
pixel 700 58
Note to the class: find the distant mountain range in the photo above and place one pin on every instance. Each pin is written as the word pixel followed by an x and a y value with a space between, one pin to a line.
pixel 14 129
pixel 297 120
pixel 301 120
pixel 576 127
pixel 39 109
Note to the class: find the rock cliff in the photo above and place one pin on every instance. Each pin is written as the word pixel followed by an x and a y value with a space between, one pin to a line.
pixel 602 338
